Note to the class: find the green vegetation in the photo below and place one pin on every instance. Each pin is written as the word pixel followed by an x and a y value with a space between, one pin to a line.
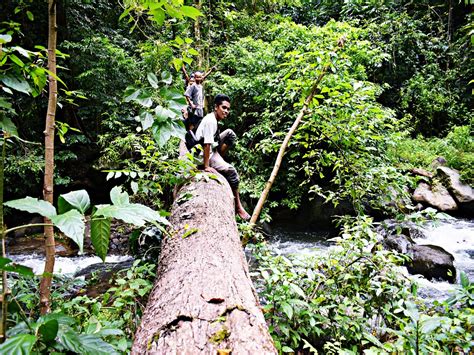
pixel 79 323
pixel 355 299
pixel 396 93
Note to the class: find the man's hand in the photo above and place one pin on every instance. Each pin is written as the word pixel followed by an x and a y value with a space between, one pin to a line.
pixel 208 169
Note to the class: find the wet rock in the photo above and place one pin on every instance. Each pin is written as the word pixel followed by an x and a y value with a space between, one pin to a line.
pixel 421 172
pixel 32 245
pixel 20 233
pixel 451 179
pixel 439 161
pixel 431 261
pixel 398 242
pixel 436 196
pixel 103 275
pixel 101 268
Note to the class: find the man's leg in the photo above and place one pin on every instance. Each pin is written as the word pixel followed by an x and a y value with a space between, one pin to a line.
pixel 229 172
pixel 227 140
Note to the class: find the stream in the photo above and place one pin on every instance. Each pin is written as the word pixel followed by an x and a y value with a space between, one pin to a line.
pixel 455 235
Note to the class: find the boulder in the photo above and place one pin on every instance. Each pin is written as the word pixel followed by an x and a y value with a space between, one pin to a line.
pixel 439 161
pixel 436 196
pixel 398 242
pixel 422 172
pixel 451 179
pixel 103 275
pixel 431 261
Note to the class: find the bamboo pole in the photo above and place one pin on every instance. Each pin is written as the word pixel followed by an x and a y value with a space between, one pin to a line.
pixel 286 141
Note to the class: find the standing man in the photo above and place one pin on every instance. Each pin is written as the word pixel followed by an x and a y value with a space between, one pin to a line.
pixel 195 97
pixel 215 146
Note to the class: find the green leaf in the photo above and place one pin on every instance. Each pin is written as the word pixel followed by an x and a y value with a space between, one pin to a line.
pixel 72 225
pixel 49 330
pixel 190 232
pixel 144 99
pixel 162 114
pixel 60 317
pixel 21 344
pixel 7 126
pixel 33 205
pixel 166 77
pixel 75 199
pixel 163 131
pixel 4 103
pixel 131 95
pixel 93 345
pixel 177 63
pixel 5 39
pixel 192 51
pixel 19 269
pixel 153 80
pixel 287 309
pixel 158 15
pixel 4 261
pixel 173 12
pixel 17 60
pixel 100 236
pixel 430 324
pixel 191 12
pixel 287 349
pixel 464 280
pixel 70 340
pixel 373 339
pixel 412 311
pixel 135 214
pixel 15 84
pixel 298 290
pixel 118 197
pixel 146 119
pixel 30 16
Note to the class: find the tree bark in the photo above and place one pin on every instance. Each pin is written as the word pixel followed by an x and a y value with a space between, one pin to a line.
pixel 197 36
pixel 45 286
pixel 203 300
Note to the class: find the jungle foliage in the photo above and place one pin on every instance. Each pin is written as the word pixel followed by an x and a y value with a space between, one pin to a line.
pixel 396 95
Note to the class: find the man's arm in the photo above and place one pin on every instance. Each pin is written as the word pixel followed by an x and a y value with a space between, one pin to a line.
pixel 208 72
pixel 186 76
pixel 188 94
pixel 207 154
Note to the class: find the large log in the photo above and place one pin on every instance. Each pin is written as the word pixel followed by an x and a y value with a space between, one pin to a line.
pixel 203 301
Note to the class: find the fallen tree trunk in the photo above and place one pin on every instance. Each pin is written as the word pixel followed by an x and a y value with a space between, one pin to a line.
pixel 203 300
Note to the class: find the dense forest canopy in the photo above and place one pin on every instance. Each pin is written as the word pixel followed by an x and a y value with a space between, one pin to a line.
pixel 395 93
pixel 409 64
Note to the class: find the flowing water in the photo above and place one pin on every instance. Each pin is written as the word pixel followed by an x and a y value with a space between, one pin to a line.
pixel 455 236
pixel 64 265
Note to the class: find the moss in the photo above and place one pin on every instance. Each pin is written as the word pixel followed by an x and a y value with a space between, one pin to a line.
pixel 219 336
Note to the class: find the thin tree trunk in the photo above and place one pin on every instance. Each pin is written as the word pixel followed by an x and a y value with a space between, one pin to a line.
pixel 450 25
pixel 45 286
pixel 203 301
pixel 5 292
pixel 197 36
pixel 286 141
